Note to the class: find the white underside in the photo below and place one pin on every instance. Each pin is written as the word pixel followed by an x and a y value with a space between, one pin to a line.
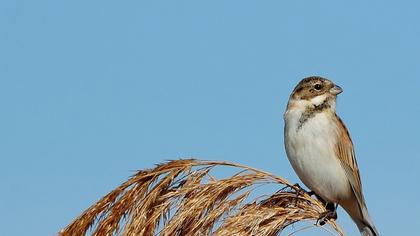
pixel 310 150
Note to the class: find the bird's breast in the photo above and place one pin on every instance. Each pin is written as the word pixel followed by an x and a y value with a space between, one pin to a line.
pixel 310 150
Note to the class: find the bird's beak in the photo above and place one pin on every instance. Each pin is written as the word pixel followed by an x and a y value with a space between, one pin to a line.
pixel 336 90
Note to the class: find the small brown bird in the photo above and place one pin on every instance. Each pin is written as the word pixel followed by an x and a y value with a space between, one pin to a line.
pixel 320 149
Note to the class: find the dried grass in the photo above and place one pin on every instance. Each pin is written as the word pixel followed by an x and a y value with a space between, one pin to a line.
pixel 182 198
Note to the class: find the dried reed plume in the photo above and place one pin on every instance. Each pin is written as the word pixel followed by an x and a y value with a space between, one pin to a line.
pixel 182 198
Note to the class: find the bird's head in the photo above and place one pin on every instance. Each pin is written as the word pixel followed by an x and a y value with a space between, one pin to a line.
pixel 314 91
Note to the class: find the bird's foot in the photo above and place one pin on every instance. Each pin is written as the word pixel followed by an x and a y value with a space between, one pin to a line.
pixel 330 206
pixel 298 191
pixel 298 188
pixel 325 216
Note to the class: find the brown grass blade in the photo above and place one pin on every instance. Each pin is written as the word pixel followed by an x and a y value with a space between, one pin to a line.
pixel 181 198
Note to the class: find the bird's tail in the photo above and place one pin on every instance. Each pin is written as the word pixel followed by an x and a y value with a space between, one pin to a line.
pixel 368 231
pixel 366 226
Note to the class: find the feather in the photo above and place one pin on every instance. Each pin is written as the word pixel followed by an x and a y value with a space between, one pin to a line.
pixel 345 153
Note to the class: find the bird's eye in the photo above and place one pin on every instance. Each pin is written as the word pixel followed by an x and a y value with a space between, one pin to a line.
pixel 318 86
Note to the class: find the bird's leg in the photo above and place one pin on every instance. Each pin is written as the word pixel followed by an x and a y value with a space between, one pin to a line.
pixel 331 207
pixel 320 199
pixel 298 191
pixel 330 214
pixel 297 187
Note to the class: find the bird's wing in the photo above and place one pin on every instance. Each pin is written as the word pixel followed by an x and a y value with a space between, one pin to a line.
pixel 345 152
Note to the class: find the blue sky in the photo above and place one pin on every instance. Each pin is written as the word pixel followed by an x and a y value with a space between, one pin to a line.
pixel 92 90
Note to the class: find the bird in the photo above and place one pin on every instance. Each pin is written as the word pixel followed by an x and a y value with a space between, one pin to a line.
pixel 320 150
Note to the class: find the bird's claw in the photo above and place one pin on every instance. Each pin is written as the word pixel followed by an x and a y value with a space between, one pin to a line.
pixel 325 216
pixel 298 190
pixel 297 187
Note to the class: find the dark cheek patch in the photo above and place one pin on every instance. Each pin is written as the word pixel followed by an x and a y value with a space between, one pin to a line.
pixel 309 93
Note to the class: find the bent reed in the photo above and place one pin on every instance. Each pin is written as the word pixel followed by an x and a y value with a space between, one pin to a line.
pixel 182 197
